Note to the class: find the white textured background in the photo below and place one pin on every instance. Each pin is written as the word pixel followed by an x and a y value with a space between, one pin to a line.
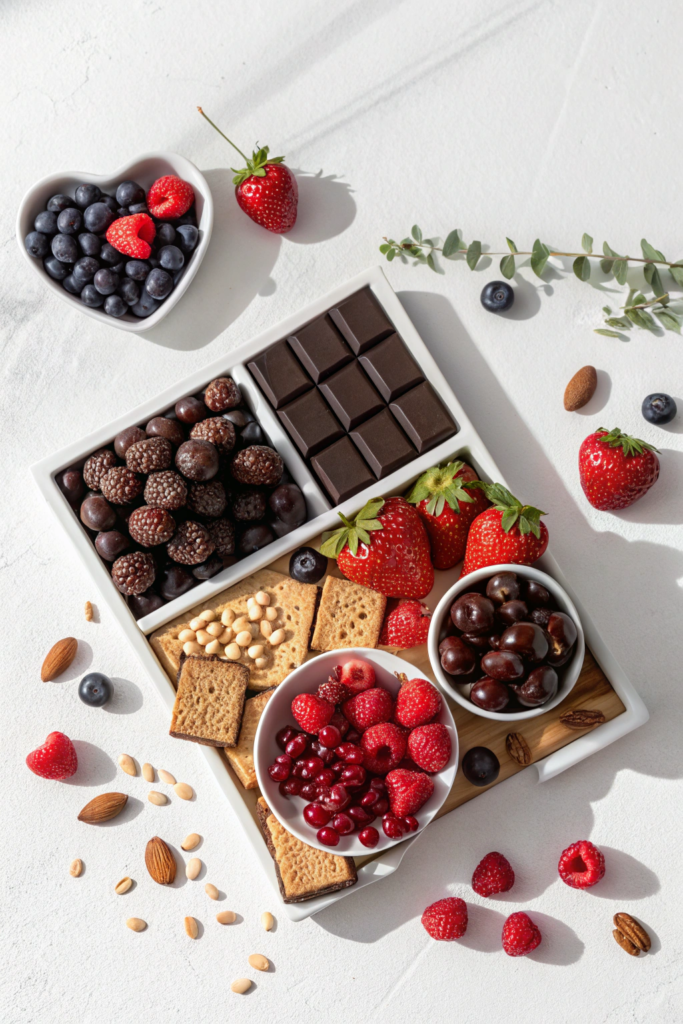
pixel 519 118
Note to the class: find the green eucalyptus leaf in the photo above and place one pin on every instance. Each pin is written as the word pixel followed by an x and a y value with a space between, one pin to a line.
pixel 676 272
pixel 587 243
pixel 607 310
pixel 637 299
pixel 582 268
pixel 608 250
pixel 539 257
pixel 618 321
pixel 607 334
pixel 668 320
pixel 507 267
pixel 473 254
pixel 385 247
pixel 432 264
pixel 452 244
pixel 511 245
pixel 607 266
pixel 416 233
pixel 653 279
pixel 391 254
pixel 650 253
pixel 620 268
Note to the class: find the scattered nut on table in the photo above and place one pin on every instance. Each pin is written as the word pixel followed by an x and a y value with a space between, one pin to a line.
pixel 127 764
pixel 267 920
pixel 88 611
pixel 76 867
pixel 157 798
pixel 226 917
pixel 123 886
pixel 191 842
pixel 191 927
pixel 183 790
pixel 148 772
pixel 136 924
pixel 259 962
pixel 193 867
pixel 166 777
pixel 241 985
pixel 211 891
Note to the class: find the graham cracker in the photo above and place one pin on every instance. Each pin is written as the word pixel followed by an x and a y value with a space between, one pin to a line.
pixel 302 871
pixel 349 616
pixel 241 757
pixel 295 603
pixel 209 700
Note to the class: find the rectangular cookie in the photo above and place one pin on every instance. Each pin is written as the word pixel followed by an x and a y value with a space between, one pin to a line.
pixel 302 872
pixel 349 616
pixel 241 757
pixel 209 700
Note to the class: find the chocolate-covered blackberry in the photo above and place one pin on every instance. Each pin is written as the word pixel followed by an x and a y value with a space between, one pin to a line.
pixel 149 526
pixel 143 604
pixel 207 499
pixel 133 573
pixel 174 581
pixel 96 466
pixel 161 426
pixel 197 460
pixel 257 465
pixel 218 431
pixel 165 489
pixel 206 570
pixel 121 485
pixel 125 438
pixel 191 545
pixel 110 544
pixel 222 394
pixel 222 533
pixel 96 513
pixel 149 455
pixel 249 505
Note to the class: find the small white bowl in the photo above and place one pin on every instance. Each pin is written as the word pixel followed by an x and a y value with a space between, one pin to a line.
pixel 145 170
pixel 568 674
pixel 277 714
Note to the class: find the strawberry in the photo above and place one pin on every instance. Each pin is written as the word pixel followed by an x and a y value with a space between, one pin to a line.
pixel 56 759
pixel 133 235
pixel 616 469
pixel 408 791
pixel 417 702
pixel 385 548
pixel 265 189
pixel 447 510
pixel 446 919
pixel 405 625
pixel 430 747
pixel 507 532
pixel 311 713
pixel 170 197
pixel 369 708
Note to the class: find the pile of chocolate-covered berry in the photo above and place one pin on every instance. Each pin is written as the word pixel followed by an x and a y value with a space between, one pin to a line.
pixel 174 502
pixel 124 253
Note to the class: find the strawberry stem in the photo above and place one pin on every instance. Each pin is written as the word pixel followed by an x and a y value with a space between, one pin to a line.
pixel 630 445
pixel 526 517
pixel 207 118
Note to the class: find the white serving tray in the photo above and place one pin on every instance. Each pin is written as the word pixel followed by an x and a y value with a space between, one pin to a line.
pixel 466 444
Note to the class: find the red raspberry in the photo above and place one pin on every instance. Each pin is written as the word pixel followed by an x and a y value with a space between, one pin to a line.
pixel 417 703
pixel 133 235
pixel 56 759
pixel 356 675
pixel 383 747
pixel 334 692
pixel 170 197
pixel 369 708
pixel 581 865
pixel 446 919
pixel 430 746
pixel 311 713
pixel 408 791
pixel 493 874
pixel 520 935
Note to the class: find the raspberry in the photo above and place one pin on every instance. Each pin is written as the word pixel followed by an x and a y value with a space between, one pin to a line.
pixel 249 506
pixel 357 675
pixel 191 545
pixel 383 746
pixel 96 466
pixel 207 499
pixel 417 702
pixel 56 759
pixel 149 526
pixel 222 533
pixel 520 935
pixel 121 485
pixel 369 708
pixel 581 865
pixel 149 455
pixel 165 489
pixel 334 692
pixel 133 235
pixel 169 197
pixel 408 791
pixel 446 919
pixel 257 465
pixel 311 713
pixel 134 573
pixel 493 874
pixel 430 747
pixel 222 394
pixel 218 431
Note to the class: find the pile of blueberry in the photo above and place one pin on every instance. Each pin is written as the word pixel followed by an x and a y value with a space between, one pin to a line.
pixel 69 237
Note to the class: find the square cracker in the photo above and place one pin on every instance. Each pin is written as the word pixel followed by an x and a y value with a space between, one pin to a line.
pixel 209 700
pixel 302 871
pixel 349 616
pixel 241 757
pixel 296 606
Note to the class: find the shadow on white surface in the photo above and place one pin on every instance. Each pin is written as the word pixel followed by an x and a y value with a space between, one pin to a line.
pixel 94 766
pixel 676 425
pixel 600 397
pixel 181 878
pixel 527 299
pixel 326 208
pixel 127 698
pixel 663 503
pixel 484 929
pixel 626 878
pixel 79 666
pixel 560 945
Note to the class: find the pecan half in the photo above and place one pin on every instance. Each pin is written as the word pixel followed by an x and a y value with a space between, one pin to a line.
pixel 581 718
pixel 633 931
pixel 625 943
pixel 518 748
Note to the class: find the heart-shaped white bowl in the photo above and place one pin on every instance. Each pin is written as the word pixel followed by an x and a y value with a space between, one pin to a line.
pixel 145 170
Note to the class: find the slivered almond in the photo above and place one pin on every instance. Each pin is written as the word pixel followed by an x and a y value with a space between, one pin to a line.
pixel 127 764
pixel 160 861
pixel 88 611
pixel 191 927
pixel 191 841
pixel 103 808
pixel 76 867
pixel 123 886
pixel 58 659
pixel 166 777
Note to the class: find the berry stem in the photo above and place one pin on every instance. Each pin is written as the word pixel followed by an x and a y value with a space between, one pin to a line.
pixel 207 118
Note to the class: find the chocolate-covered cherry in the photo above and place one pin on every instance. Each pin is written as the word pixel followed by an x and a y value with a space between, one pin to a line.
pixel 110 544
pixel 175 581
pixel 97 514
pixel 456 657
pixel 494 641
pixel 161 426
pixel 70 483
pixel 479 643
pixel 504 665
pixel 562 634
pixel 526 639
pixel 145 603
pixel 540 686
pixel 191 410
pixel 480 766
pixel 473 613
pixel 541 616
pixel 504 586
pixel 513 611
pixel 490 694
pixel 536 595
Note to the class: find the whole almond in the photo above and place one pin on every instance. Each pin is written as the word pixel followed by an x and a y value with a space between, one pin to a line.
pixel 625 943
pixel 183 790
pixel 191 927
pixel 633 930
pixel 157 798
pixel 211 891
pixel 59 658
pixel 581 718
pixel 518 748
pixel 103 808
pixel 136 924
pixel 160 861
pixel 191 841
pixel 581 388
pixel 259 962
pixel 127 764
pixel 240 986
pixel 148 772
pixel 76 867
pixel 123 886
pixel 226 917
pixel 193 867
pixel 166 777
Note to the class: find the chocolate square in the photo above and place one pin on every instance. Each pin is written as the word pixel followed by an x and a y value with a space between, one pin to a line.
pixel 351 396
pixel 391 368
pixel 424 417
pixel 341 470
pixel 361 320
pixel 279 374
pixel 382 444
pixel 310 423
pixel 320 348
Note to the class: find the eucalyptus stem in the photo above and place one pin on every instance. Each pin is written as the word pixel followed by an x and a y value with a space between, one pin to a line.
pixel 527 252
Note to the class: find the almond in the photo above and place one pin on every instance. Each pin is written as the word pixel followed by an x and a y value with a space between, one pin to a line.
pixel 581 388
pixel 103 808
pixel 160 861
pixel 59 658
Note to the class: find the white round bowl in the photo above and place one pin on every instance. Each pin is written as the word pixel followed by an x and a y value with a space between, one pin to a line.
pixel 568 674
pixel 145 170
pixel 277 714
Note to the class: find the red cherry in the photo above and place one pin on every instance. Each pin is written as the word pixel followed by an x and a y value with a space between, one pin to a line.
pixel 369 837
pixel 349 753
pixel 378 784
pixel 370 798
pixel 342 824
pixel 353 775
pixel 381 807
pixel 330 736
pixel 325 778
pixel 297 745
pixel 298 768
pixel 311 767
pixel 309 791
pixel 328 836
pixel 360 815
pixel 338 799
pixel 284 759
pixel 292 787
pixel 326 754
pixel 337 767
pixel 279 772
pixel 283 737
pixel 352 736
pixel 392 826
pixel 410 823
pixel 316 815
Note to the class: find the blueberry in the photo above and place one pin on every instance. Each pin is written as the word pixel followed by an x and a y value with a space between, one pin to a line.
pixel 307 565
pixel 146 306
pixel 497 296
pixel 138 208
pixel 119 268
pixel 158 284
pixel 659 408
pixel 85 269
pixel 90 244
pixel 72 284
pixel 59 203
pixel 37 244
pixel 115 306
pixel 187 218
pixel 177 276
pixel 46 222
pixel 188 236
pixel 95 689
pixel 122 211
pixel 70 221
pixel 106 281
pixel 55 268
pixel 137 269
pixel 110 203
pixel 87 194
pixel 98 217
pixel 91 297
pixel 129 192
pixel 165 233
pixel 129 291
pixel 153 263
pixel 108 254
pixel 171 258
pixel 65 248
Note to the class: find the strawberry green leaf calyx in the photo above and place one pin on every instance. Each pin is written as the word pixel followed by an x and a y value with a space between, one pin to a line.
pixel 526 517
pixel 630 445
pixel 256 166
pixel 440 486
pixel 353 531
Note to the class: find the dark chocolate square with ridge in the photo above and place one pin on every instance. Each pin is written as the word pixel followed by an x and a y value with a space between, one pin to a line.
pixel 391 368
pixel 341 470
pixel 310 423
pixel 424 417
pixel 320 348
pixel 279 374
pixel 351 396
pixel 382 444
pixel 361 320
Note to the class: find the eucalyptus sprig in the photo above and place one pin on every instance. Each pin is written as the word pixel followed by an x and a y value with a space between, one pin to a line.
pixel 611 263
